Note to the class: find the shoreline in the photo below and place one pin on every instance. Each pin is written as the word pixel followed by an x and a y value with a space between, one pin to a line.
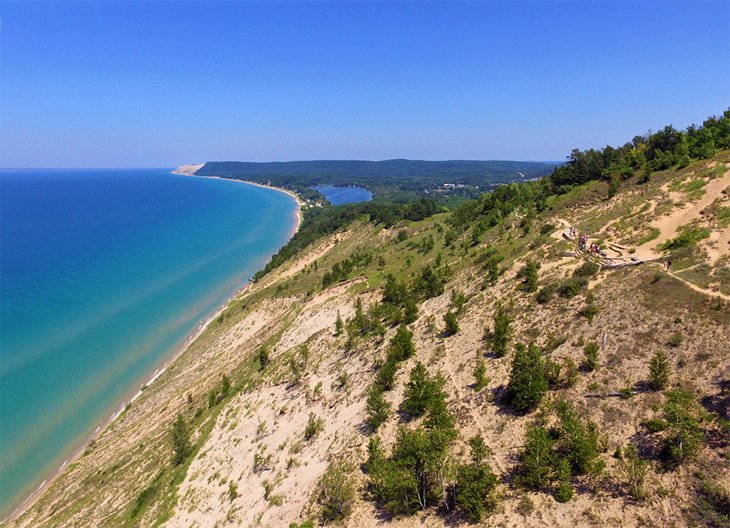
pixel 292 194
pixel 134 393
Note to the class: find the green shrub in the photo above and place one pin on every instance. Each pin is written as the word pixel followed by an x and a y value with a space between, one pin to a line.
pixel 590 310
pixel 232 491
pixel 181 446
pixel 590 354
pixel 480 378
pixel 687 238
pixel 569 371
pixel 376 407
pixel 502 331
pixel 552 372
pixel 564 492
pixel 451 325
pixel 529 276
pixel 528 382
pixel 587 269
pixel 571 287
pixel 475 483
pixel 655 425
pixel 685 437
pixel 546 293
pixel 336 492
pixel 314 426
pixel 546 229
pixel 676 339
pixel 713 503
pixel 422 391
pixel 659 371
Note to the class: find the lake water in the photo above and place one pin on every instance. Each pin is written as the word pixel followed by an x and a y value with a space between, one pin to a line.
pixel 104 274
pixel 344 195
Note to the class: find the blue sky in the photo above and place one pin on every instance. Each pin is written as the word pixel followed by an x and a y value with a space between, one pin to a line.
pixel 105 84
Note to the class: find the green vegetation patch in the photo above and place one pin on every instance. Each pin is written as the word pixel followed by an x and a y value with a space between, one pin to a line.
pixel 689 236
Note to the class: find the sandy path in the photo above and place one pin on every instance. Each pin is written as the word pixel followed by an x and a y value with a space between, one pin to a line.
pixel 669 224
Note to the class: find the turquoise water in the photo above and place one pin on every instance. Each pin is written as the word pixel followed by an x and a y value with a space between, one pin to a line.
pixel 103 274
pixel 338 195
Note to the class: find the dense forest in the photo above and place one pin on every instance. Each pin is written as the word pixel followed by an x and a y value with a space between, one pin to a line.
pixel 391 179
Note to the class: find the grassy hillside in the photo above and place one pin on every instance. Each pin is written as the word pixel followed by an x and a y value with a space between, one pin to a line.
pixel 641 450
pixel 478 365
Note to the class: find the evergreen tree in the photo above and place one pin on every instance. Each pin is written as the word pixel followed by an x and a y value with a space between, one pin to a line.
pixel 401 345
pixel 659 371
pixel 480 372
pixel 529 276
pixel 451 324
pixel 263 358
pixel 590 353
pixel 339 325
pixel 336 492
pixel 376 407
pixel 181 446
pixel 502 331
pixel 475 483
pixel 225 387
pixel 527 382
pixel 422 390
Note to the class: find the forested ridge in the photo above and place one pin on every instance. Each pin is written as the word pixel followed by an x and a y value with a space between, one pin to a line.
pixel 643 155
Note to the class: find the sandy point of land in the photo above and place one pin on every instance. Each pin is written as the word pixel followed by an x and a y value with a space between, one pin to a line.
pixel 188 170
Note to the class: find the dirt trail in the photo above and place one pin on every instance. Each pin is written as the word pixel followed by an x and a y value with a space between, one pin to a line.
pixel 703 291
pixel 669 224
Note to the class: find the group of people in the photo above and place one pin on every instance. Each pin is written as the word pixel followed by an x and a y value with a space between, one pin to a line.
pixel 583 242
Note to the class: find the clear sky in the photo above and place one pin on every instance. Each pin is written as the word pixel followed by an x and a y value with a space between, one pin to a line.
pixel 105 84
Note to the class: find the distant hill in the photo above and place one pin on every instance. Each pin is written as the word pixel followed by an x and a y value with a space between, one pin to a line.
pixel 382 177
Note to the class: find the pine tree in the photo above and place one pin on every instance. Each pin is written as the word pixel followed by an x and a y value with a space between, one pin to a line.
pixel 181 445
pixel 659 371
pixel 451 324
pixel 339 325
pixel 590 353
pixel 421 390
pixel 475 483
pixel 263 358
pixel 401 346
pixel 527 382
pixel 480 378
pixel 376 407
pixel 502 331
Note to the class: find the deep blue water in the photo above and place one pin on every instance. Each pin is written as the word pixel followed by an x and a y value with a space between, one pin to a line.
pixel 344 195
pixel 103 274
